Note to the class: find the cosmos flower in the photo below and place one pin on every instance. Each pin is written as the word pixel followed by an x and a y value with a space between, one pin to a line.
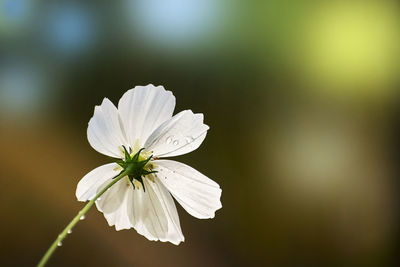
pixel 139 134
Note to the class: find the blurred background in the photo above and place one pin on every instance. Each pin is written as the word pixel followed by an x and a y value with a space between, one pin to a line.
pixel 303 103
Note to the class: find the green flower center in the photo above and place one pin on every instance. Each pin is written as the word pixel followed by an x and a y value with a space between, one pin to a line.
pixel 136 166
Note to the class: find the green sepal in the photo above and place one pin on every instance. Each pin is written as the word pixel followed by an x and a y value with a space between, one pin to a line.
pixel 127 155
pixel 120 162
pixel 135 157
pixel 140 179
pixel 131 180
pixel 118 174
pixel 144 162
pixel 134 168
pixel 148 172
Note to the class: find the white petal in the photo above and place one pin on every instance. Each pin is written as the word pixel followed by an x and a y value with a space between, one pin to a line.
pixel 143 109
pixel 149 213
pixel 112 199
pixel 105 133
pixel 89 184
pixel 116 205
pixel 179 135
pixel 198 195
pixel 137 218
pixel 174 234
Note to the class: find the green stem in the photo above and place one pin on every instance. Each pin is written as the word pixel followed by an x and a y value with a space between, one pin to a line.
pixel 77 218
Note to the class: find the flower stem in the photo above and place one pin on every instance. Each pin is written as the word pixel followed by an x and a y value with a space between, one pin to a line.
pixel 76 219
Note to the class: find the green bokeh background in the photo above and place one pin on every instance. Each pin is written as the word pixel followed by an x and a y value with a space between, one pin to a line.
pixel 302 102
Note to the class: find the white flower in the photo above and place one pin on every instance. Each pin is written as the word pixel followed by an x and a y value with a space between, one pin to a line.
pixel 144 120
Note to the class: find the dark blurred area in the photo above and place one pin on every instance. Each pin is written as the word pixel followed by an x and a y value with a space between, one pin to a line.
pixel 301 97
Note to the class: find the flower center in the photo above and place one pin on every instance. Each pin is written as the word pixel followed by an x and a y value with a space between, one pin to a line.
pixel 136 166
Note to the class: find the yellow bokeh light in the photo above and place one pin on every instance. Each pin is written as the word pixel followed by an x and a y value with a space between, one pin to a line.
pixel 351 47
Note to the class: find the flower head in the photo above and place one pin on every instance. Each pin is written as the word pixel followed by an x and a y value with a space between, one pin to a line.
pixel 139 134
